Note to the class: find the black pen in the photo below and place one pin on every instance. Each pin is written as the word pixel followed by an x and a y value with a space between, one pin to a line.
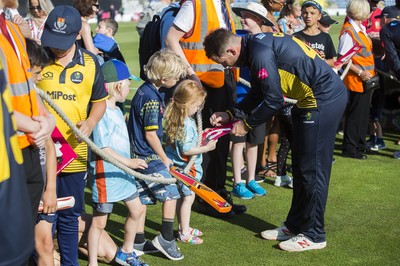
pixel 212 118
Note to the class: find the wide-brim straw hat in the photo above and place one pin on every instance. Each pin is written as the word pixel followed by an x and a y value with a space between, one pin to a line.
pixel 253 8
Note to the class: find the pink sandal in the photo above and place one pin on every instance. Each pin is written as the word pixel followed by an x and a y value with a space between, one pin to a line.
pixel 189 239
pixel 195 232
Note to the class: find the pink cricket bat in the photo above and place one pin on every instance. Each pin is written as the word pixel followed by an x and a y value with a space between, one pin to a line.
pixel 348 55
pixel 62 203
pixel 64 152
pixel 216 132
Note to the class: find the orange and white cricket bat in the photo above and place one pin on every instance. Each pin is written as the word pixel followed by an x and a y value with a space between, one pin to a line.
pixel 201 190
pixel 62 203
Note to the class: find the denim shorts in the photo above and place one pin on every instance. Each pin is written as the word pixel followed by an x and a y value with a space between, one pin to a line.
pixel 151 192
pixel 108 206
pixel 184 190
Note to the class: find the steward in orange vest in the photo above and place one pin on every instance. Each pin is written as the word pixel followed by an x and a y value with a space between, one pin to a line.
pixel 364 59
pixel 206 20
pixel 19 77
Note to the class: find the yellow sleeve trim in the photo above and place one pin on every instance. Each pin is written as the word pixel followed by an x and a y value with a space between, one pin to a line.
pixel 100 100
pixel 247 125
pixel 230 115
pixel 151 128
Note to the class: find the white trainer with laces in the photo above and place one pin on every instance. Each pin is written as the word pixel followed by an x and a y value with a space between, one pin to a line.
pixel 284 180
pixel 300 243
pixel 279 233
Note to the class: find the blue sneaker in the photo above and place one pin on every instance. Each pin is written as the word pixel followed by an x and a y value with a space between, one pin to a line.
pixel 254 187
pixel 168 248
pixel 144 248
pixel 380 145
pixel 241 191
pixel 128 259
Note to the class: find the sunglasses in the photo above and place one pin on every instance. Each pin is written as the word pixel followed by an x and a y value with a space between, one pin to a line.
pixel 38 8
pixel 96 5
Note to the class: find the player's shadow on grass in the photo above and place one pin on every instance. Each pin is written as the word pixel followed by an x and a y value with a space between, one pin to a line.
pixel 246 220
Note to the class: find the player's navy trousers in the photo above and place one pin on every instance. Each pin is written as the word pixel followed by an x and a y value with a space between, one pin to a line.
pixel 70 184
pixel 314 132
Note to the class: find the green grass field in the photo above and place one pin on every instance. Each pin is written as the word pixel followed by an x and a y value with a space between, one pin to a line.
pixel 362 215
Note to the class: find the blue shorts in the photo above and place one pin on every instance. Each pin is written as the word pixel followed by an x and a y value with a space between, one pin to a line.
pixel 150 192
pixel 108 206
pixel 50 218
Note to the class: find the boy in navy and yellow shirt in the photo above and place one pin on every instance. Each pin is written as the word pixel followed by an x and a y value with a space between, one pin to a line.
pixel 75 83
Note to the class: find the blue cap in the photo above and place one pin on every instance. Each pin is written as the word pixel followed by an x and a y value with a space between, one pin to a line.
pixel 62 27
pixel 104 43
pixel 313 4
pixel 115 70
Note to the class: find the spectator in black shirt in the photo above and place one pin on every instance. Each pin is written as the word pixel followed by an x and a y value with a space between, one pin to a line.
pixel 320 41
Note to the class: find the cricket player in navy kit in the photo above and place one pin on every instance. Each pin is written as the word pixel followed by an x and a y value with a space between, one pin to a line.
pixel 282 65
pixel 390 36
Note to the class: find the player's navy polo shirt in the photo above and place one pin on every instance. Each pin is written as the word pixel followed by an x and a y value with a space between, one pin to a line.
pixel 284 65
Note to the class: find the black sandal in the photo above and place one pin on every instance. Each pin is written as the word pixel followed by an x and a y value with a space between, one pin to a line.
pixel 265 171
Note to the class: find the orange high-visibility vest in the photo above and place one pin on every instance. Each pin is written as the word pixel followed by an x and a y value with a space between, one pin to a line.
pixel 364 59
pixel 18 72
pixel 206 20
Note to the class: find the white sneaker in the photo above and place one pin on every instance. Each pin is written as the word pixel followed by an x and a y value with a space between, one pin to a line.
pixel 300 243
pixel 284 180
pixel 279 233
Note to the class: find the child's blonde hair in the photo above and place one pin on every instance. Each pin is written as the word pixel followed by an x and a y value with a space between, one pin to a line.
pixel 186 94
pixel 112 87
pixel 165 64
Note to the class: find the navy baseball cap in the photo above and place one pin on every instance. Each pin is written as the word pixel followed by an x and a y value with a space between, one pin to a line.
pixel 115 70
pixel 313 4
pixel 390 12
pixel 62 26
pixel 326 19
